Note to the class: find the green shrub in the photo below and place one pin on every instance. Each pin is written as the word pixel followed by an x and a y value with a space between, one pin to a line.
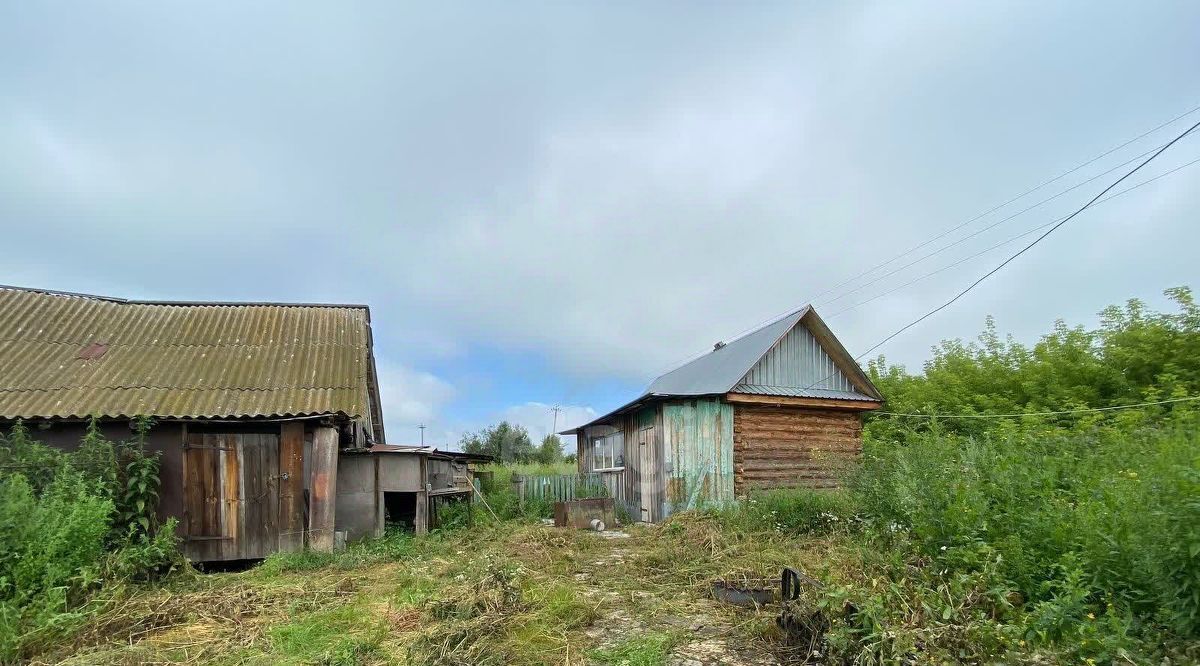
pixel 51 549
pixel 1100 523
pixel 72 524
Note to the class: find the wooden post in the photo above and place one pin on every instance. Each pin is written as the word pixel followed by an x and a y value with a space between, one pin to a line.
pixel 518 486
pixel 324 489
pixel 421 518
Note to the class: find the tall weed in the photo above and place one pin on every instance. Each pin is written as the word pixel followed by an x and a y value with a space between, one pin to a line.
pixel 1103 523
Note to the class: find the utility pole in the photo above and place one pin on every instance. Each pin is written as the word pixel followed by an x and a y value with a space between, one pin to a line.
pixel 421 427
pixel 556 409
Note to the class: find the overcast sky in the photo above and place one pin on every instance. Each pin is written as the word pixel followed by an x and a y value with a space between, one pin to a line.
pixel 551 203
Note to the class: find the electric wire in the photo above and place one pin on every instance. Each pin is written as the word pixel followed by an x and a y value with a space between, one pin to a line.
pixel 989 227
pixel 1018 253
pixel 949 231
pixel 1055 413
pixel 1025 249
pixel 1006 242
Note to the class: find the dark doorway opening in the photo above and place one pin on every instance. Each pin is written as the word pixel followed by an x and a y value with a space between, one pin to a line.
pixel 400 510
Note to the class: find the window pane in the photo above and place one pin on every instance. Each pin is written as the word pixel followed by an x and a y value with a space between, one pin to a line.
pixel 601 453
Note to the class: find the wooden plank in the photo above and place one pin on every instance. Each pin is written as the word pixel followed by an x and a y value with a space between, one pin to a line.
pixel 790 401
pixel 260 499
pixel 291 486
pixel 231 497
pixel 213 490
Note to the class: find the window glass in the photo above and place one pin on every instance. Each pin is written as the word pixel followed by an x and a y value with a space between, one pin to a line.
pixel 608 451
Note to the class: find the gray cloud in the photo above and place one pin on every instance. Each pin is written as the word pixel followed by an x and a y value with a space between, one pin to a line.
pixel 609 188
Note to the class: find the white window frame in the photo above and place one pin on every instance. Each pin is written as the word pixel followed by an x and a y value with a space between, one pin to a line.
pixel 615 441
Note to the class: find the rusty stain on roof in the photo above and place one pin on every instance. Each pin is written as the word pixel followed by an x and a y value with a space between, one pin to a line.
pixel 180 360
pixel 93 351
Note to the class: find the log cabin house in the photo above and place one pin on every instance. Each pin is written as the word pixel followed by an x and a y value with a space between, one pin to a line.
pixel 254 404
pixel 778 407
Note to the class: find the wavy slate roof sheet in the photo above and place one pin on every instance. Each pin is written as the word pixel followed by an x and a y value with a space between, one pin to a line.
pixel 180 360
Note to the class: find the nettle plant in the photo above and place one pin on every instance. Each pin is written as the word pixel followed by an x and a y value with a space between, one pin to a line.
pixel 137 497
pixel 125 472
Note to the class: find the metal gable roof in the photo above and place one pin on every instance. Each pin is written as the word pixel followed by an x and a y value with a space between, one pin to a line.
pixel 719 370
pixel 70 356
pixel 728 368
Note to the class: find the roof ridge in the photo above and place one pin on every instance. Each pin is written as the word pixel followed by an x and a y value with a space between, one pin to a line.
pixel 207 345
pixel 169 303
pixel 147 387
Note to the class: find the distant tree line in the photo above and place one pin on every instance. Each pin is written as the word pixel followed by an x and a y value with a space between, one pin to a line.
pixel 510 443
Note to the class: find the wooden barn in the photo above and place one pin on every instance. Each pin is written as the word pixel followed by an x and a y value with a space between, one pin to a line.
pixel 253 404
pixel 779 407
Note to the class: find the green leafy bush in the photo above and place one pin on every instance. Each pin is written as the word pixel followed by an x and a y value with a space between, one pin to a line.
pixel 64 539
pixel 1070 537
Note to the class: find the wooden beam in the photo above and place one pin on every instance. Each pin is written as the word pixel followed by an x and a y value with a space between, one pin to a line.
pixel 790 401
pixel 324 489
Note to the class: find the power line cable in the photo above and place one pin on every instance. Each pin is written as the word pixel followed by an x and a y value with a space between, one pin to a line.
pixel 1019 196
pixel 1068 172
pixel 1006 241
pixel 1025 249
pixel 989 227
pixel 1056 413
pixel 1018 253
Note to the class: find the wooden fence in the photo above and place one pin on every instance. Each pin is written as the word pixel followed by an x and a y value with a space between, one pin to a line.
pixel 567 487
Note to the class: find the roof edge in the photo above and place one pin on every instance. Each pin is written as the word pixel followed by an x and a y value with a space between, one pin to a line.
pixel 842 358
pixel 169 303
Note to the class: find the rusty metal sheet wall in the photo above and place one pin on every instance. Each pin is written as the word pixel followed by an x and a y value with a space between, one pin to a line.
pixel 783 447
pixel 185 361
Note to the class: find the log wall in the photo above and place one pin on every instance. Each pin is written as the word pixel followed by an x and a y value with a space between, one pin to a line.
pixel 782 447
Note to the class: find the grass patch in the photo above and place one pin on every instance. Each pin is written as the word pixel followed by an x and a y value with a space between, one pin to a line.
pixel 348 635
pixel 646 650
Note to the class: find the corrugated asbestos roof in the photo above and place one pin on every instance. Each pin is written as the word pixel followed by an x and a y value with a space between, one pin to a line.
pixel 180 360
pixel 724 370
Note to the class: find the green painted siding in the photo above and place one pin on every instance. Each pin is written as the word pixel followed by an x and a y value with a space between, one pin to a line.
pixel 698 443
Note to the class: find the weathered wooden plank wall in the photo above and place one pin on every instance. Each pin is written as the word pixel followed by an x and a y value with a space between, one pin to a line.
pixel 291 486
pixel 643 464
pixel 780 447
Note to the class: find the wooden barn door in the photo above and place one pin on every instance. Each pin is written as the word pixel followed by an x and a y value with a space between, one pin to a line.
pixel 231 495
pixel 259 455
